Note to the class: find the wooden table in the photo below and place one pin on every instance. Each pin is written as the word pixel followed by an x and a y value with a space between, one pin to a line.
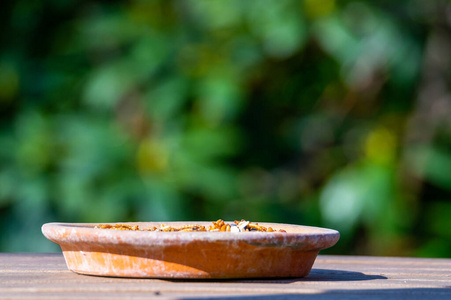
pixel 45 276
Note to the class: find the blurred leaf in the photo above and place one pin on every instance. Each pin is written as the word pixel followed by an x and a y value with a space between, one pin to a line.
pixel 372 45
pixel 9 81
pixel 101 29
pixel 358 193
pixel 205 145
pixel 161 202
pixel 115 80
pixel 8 187
pixel 318 8
pixel 433 164
pixel 279 26
pixel 438 219
pixel 219 99
pixel 35 143
pixel 152 157
pixel 165 101
pixel 380 146
pixel 216 14
pixel 92 147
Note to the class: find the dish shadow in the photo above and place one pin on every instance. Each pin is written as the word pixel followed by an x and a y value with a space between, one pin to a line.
pixel 338 275
pixel 318 275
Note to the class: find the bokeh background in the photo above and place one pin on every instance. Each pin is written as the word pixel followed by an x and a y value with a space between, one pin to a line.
pixel 317 112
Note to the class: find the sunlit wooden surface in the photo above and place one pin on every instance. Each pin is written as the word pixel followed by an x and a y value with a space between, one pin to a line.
pixel 45 276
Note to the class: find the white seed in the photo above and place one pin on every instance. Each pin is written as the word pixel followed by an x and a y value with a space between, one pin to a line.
pixel 242 225
pixel 234 228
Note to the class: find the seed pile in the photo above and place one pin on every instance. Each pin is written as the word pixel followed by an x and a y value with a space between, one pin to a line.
pixel 219 225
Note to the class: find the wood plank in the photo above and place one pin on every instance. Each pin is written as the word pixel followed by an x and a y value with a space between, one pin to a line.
pixel 45 276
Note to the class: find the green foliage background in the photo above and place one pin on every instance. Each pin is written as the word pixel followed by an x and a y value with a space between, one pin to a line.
pixel 317 112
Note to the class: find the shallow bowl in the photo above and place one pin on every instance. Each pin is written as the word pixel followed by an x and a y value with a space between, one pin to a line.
pixel 122 253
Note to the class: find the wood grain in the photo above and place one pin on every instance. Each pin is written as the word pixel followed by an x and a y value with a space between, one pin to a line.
pixel 45 276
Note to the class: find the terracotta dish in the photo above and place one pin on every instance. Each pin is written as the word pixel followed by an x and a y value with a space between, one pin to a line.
pixel 123 253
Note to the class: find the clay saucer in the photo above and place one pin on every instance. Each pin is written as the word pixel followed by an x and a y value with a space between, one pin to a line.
pixel 120 253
